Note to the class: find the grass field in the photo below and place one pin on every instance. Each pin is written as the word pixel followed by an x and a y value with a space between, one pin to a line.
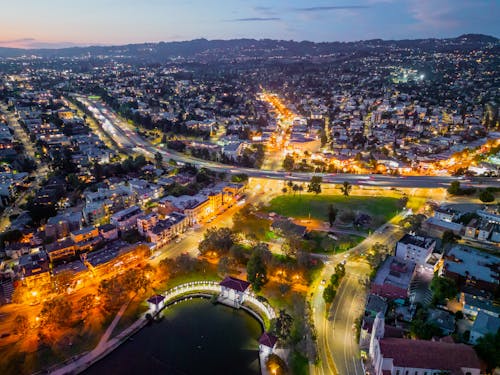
pixel 301 206
pixel 325 244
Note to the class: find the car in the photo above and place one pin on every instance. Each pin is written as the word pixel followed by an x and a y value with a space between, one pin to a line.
pixel 323 282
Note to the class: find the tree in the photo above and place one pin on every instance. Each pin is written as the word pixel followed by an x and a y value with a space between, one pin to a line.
pixel 346 188
pixel 488 348
pixel 454 188
pixel 403 201
pixel 288 163
pixel 224 265
pixel 315 185
pixel 257 271
pixel 329 293
pixel 443 288
pixel 423 330
pixel 218 240
pixel 57 311
pixel 158 160
pixel 449 237
pixel 332 214
pixel 486 196
pixel 413 222
pixel 283 325
pixel 21 324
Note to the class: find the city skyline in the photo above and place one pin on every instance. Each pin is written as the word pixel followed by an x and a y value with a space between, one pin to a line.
pixel 98 23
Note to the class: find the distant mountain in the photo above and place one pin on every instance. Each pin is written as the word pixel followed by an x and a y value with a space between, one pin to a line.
pixel 203 49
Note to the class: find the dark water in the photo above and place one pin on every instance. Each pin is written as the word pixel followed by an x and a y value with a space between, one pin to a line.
pixel 195 337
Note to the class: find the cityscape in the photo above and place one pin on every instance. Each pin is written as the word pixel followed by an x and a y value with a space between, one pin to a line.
pixel 283 188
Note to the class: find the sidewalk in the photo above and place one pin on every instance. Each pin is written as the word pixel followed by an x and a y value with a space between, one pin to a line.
pixel 105 345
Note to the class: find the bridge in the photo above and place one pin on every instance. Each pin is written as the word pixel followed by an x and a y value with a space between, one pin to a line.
pixel 261 310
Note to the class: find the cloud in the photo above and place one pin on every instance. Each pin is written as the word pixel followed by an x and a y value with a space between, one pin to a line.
pixel 30 43
pixel 428 16
pixel 255 19
pixel 327 8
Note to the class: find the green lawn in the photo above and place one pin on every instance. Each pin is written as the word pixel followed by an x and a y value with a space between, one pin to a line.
pixel 324 244
pixel 301 206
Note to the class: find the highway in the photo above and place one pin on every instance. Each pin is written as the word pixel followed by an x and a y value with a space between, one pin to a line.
pixel 122 133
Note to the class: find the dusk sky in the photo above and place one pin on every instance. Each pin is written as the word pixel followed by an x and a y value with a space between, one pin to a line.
pixel 59 23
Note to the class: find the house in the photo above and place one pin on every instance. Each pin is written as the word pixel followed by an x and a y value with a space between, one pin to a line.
pixel 399 356
pixel 393 278
pixel 442 319
pixel 445 214
pixel 233 291
pixel 267 343
pixel 468 266
pixel 126 219
pixel 374 305
pixel 483 325
pixel 437 227
pixel 415 248
pixel 156 302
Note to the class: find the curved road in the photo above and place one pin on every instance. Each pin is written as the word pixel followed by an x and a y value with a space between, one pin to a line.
pixel 123 135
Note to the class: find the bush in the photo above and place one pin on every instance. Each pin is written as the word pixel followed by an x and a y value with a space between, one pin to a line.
pixel 486 196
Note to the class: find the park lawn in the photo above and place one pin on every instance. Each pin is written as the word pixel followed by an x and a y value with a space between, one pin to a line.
pixel 324 244
pixel 299 364
pixel 301 206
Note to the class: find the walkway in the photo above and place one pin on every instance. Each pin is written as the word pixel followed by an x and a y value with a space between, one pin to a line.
pixel 213 287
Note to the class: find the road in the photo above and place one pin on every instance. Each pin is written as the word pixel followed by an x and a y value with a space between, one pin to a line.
pixel 125 136
pixel 39 174
pixel 337 345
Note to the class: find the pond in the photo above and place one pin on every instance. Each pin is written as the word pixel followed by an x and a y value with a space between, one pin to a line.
pixel 194 337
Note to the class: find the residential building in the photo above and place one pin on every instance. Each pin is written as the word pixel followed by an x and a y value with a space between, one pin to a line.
pixel 60 249
pixel 35 269
pixel 468 266
pixel 415 248
pixel 393 278
pixel 108 231
pixel 165 230
pixel 126 219
pixel 483 325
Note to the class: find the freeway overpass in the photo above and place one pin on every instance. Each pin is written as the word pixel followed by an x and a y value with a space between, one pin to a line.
pixel 128 139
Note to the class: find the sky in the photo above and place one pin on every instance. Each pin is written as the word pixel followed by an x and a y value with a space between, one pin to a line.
pixel 63 23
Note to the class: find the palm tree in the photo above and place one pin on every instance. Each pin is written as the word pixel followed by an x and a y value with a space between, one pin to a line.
pixel 346 188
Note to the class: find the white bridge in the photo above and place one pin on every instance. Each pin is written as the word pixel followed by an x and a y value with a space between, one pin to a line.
pixel 260 309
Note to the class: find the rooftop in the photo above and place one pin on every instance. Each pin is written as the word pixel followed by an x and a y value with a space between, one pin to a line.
pixel 436 355
pixel 464 260
pixel 420 241
pixel 235 284
pixel 395 272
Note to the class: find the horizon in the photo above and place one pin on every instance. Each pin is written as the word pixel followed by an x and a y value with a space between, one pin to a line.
pixel 97 23
pixel 71 45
